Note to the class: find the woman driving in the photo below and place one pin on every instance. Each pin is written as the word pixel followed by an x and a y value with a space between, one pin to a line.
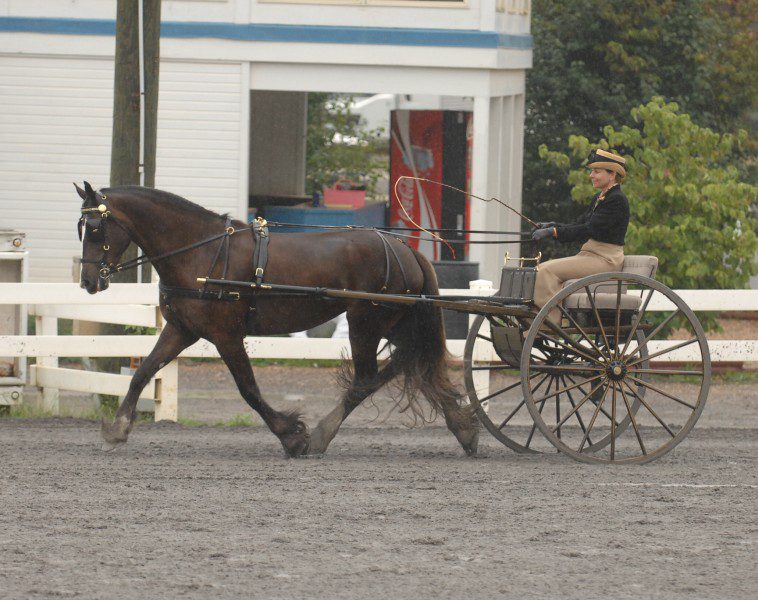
pixel 602 228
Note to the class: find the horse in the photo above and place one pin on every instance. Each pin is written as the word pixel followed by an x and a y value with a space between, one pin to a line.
pixel 183 240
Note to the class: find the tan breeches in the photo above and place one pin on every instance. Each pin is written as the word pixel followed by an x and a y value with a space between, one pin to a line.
pixel 594 257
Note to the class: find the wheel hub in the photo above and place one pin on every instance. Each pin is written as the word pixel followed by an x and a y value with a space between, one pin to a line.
pixel 616 370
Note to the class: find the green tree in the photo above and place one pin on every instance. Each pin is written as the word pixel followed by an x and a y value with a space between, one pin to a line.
pixel 688 205
pixel 338 147
pixel 595 59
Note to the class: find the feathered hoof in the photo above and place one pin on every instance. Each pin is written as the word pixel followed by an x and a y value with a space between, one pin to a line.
pixel 470 442
pixel 108 447
pixel 114 434
pixel 296 444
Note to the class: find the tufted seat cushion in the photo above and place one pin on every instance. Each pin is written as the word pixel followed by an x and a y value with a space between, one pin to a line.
pixel 604 295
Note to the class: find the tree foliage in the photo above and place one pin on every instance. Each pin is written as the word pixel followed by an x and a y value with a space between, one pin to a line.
pixel 337 147
pixel 688 206
pixel 595 59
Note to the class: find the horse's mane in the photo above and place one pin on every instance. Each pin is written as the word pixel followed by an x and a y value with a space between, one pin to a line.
pixel 166 198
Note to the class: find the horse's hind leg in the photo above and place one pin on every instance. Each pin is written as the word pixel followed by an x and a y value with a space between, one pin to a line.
pixel 366 380
pixel 287 426
pixel 170 343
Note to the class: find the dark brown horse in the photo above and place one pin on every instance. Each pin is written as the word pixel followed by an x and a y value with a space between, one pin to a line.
pixel 161 223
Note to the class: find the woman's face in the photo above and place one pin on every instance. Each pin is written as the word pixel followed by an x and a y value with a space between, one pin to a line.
pixel 601 178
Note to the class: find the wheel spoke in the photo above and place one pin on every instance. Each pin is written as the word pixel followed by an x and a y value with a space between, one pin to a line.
pixel 652 412
pixel 567 314
pixel 484 337
pixel 660 391
pixel 664 351
pixel 520 404
pixel 573 347
pixel 581 389
pixel 597 316
pixel 616 341
pixel 501 366
pixel 577 347
pixel 542 406
pixel 505 389
pixel 665 372
pixel 613 413
pixel 571 387
pixel 632 419
pixel 569 368
pixel 594 418
pixel 655 331
pixel 580 403
pixel 578 416
pixel 640 316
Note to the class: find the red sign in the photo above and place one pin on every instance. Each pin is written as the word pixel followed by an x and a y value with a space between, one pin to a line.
pixel 416 151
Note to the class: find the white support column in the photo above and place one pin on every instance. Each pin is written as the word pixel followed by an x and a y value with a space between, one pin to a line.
pixel 517 158
pixel 50 396
pixel 479 178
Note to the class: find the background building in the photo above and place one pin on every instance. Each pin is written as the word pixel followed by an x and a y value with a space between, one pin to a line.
pixel 234 78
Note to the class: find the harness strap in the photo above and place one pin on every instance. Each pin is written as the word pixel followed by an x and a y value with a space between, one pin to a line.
pixel 387 249
pixel 169 291
pixel 260 256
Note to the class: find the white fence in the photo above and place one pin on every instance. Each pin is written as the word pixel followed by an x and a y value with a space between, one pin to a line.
pixel 136 304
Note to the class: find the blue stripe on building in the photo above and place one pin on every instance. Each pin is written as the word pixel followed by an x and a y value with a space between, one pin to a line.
pixel 309 34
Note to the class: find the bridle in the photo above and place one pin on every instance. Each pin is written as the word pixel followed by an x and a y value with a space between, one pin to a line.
pixel 93 228
pixel 92 225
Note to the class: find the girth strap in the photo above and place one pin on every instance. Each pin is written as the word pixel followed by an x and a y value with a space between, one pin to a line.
pixel 169 291
pixel 260 256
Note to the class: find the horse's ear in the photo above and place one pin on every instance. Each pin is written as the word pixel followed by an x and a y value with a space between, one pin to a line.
pixel 81 192
pixel 88 189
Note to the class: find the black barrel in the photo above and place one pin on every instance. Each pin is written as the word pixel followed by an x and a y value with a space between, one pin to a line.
pixel 456 274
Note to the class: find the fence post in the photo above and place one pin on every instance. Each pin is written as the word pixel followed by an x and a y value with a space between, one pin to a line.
pixel 482 287
pixel 50 396
pixel 167 392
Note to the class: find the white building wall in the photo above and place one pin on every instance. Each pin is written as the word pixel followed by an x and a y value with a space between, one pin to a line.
pixel 55 128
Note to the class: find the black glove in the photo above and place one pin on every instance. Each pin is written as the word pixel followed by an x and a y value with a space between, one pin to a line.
pixel 539 234
pixel 542 225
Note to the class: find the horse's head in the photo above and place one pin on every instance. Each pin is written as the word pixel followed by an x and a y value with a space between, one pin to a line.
pixel 103 239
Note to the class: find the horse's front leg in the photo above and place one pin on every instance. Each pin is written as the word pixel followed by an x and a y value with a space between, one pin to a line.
pixel 287 426
pixel 170 343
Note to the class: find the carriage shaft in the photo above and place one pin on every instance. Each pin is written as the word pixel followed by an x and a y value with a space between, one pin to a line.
pixel 494 305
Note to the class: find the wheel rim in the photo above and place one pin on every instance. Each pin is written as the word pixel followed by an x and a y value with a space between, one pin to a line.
pixel 633 372
pixel 499 401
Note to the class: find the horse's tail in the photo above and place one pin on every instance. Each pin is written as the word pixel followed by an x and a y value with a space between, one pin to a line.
pixel 419 354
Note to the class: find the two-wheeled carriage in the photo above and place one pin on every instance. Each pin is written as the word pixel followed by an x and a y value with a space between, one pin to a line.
pixel 623 377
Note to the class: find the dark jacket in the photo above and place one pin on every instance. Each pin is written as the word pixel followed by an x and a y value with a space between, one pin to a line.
pixel 606 220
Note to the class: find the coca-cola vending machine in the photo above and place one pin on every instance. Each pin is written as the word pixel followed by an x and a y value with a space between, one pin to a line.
pixel 434 145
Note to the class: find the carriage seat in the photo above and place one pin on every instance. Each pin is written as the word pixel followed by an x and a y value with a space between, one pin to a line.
pixel 604 295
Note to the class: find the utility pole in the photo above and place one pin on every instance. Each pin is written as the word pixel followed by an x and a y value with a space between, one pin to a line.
pixel 135 116
pixel 126 152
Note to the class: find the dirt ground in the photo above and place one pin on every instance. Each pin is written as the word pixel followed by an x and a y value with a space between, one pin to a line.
pixel 389 512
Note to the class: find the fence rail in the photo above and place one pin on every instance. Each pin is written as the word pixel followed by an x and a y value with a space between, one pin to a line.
pixel 136 304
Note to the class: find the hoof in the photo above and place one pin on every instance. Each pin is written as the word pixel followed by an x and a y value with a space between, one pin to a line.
pixel 469 441
pixel 109 447
pixel 296 444
pixel 114 434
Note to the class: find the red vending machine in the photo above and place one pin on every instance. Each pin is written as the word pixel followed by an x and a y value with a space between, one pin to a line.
pixel 435 145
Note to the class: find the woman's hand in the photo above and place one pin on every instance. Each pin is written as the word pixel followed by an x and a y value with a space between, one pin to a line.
pixel 544 232
pixel 543 225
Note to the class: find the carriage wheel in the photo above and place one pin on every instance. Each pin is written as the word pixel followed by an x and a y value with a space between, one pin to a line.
pixel 630 365
pixel 494 388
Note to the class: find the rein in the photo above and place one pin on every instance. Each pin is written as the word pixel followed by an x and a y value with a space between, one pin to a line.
pixel 107 269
